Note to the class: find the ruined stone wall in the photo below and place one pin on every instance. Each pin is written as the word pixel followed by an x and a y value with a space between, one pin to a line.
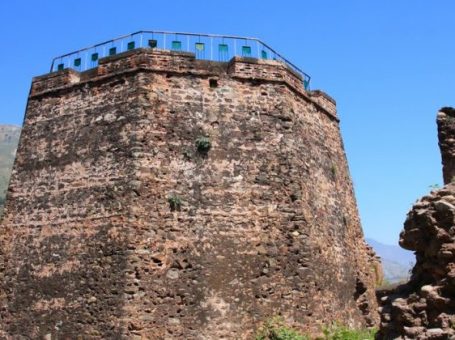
pixel 423 308
pixel 446 135
pixel 266 222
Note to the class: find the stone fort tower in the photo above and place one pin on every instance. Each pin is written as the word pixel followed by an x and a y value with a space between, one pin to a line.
pixel 165 194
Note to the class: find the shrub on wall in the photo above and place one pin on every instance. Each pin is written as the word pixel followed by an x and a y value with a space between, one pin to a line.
pixel 175 202
pixel 203 144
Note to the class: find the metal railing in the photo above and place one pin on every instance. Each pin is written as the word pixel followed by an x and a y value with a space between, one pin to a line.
pixel 204 46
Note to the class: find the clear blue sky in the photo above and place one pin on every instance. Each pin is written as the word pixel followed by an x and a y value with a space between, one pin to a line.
pixel 389 64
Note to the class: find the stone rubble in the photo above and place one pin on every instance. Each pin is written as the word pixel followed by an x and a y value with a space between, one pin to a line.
pixel 424 307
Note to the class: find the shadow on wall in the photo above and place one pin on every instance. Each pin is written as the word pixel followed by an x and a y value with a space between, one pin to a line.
pixel 63 285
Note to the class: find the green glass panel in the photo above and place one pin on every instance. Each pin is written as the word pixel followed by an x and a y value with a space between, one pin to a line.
pixel 131 45
pixel 94 57
pixel 77 62
pixel 246 51
pixel 153 43
pixel 223 48
pixel 113 51
pixel 177 45
pixel 200 46
pixel 264 54
pixel 60 67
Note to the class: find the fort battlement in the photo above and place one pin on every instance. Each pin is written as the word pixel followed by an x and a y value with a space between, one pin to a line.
pixel 184 64
pixel 161 195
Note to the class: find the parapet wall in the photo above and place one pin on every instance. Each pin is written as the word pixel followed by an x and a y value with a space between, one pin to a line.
pixel 185 63
pixel 117 225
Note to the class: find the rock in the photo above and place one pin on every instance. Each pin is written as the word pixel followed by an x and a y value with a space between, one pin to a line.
pixel 135 326
pixel 261 250
pixel 173 321
pixel 109 117
pixel 413 331
pixel 434 333
pixel 303 271
pixel 443 206
pixel 427 290
pixel 234 282
pixel 172 274
pixel 135 185
pixel 92 299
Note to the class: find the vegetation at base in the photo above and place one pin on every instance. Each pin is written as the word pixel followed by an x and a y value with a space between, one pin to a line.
pixel 275 329
pixel 339 332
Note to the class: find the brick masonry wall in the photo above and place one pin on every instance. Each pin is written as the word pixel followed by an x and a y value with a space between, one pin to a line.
pixel 267 226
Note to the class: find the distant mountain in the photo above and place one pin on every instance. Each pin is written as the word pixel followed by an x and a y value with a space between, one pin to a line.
pixel 9 138
pixel 396 262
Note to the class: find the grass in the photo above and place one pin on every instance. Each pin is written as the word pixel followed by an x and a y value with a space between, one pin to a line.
pixel 340 332
pixel 275 329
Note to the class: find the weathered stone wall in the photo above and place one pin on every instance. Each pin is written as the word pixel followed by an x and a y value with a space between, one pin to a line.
pixel 424 307
pixel 267 223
